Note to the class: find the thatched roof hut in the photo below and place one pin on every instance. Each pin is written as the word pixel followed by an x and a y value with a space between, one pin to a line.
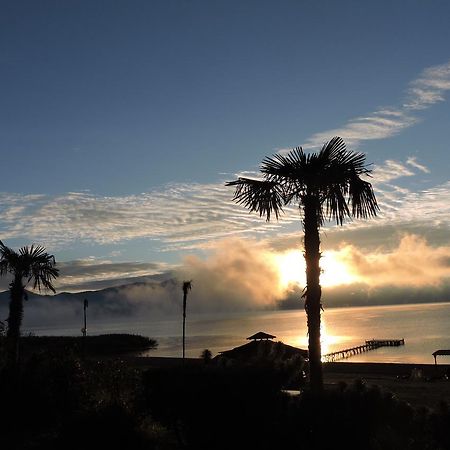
pixel 260 336
pixel 263 349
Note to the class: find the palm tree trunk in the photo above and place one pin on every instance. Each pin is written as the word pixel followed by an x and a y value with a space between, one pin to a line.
pixel 313 291
pixel 184 323
pixel 14 320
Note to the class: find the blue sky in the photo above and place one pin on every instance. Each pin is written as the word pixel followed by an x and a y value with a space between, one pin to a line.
pixel 120 122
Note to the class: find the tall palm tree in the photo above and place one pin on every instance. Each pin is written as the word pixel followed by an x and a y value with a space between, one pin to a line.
pixel 326 185
pixel 28 264
pixel 187 286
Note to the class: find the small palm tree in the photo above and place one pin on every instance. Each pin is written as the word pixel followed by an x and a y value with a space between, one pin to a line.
pixel 28 264
pixel 187 286
pixel 325 186
pixel 206 355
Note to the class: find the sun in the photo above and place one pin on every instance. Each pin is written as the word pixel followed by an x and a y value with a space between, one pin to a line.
pixel 335 271
pixel 291 268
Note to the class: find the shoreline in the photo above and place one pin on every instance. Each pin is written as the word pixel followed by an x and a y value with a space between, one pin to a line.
pixel 331 369
pixel 420 385
pixel 388 368
pixel 340 366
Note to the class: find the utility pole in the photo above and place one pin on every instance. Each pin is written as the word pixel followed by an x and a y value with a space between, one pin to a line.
pixel 187 286
pixel 84 329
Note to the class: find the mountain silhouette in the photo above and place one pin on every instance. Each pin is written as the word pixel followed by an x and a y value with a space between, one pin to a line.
pixel 118 301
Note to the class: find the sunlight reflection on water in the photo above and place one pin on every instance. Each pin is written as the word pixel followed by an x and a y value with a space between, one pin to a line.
pixel 424 328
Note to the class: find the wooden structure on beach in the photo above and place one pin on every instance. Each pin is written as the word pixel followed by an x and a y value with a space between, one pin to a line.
pixel 261 336
pixel 440 353
pixel 262 348
pixel 372 344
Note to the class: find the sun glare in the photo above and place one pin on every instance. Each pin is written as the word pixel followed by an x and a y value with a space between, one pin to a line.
pixel 291 268
pixel 328 341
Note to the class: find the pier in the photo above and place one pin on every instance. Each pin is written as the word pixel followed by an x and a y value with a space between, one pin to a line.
pixel 372 344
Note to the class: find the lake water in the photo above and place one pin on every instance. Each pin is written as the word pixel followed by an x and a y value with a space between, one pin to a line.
pixel 425 328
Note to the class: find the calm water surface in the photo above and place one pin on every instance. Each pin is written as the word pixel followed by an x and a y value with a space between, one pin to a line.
pixel 425 328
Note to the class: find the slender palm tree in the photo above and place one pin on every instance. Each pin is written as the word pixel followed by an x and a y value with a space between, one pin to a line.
pixel 325 185
pixel 187 286
pixel 29 264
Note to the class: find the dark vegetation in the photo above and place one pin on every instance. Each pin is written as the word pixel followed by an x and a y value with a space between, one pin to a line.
pixel 60 400
pixel 102 345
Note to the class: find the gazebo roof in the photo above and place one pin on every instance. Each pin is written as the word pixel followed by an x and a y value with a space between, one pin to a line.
pixel 263 349
pixel 260 335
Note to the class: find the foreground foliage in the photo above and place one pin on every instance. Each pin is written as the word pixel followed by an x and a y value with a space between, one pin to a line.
pixel 61 401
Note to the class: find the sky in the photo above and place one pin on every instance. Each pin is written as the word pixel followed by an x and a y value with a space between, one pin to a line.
pixel 120 122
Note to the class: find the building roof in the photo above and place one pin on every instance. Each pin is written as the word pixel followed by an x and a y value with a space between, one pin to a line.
pixel 261 335
pixel 441 352
pixel 263 349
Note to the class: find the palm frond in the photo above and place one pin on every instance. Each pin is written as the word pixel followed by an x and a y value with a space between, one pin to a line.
pixel 362 199
pixel 187 286
pixel 290 166
pixel 262 196
pixel 332 176
pixel 343 193
pixel 336 207
pixel 331 149
pixel 43 274
pixel 8 259
pixel 31 262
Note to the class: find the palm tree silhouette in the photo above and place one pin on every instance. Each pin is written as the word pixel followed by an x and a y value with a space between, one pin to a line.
pixel 325 186
pixel 28 264
pixel 187 286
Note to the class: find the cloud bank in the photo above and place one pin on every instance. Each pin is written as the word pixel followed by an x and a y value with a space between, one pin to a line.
pixel 241 275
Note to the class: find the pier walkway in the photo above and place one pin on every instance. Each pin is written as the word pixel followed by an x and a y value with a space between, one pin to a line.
pixel 372 344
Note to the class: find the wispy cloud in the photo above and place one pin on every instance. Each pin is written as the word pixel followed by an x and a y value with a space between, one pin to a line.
pixel 429 88
pixel 377 125
pixel 175 214
pixel 412 161
pixel 390 170
pixel 187 216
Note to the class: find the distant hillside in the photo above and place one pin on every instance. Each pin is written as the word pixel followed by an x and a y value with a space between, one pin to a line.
pixel 153 298
pixel 121 301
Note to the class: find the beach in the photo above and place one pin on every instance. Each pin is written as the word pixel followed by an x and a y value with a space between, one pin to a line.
pixel 420 385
